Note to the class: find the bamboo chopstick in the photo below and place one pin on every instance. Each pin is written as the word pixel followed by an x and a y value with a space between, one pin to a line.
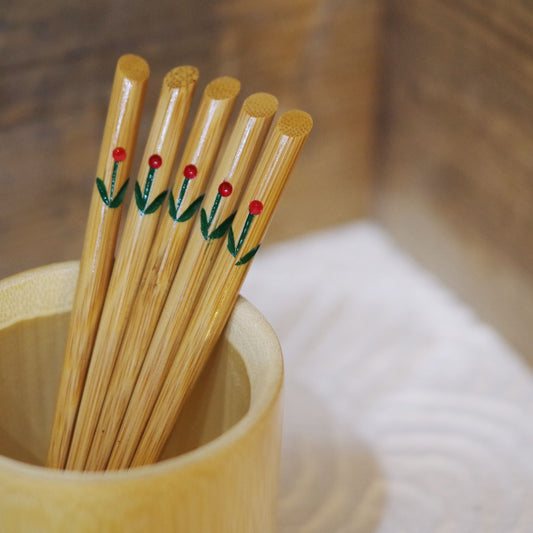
pixel 193 172
pixel 144 430
pixel 114 164
pixel 141 222
pixel 232 172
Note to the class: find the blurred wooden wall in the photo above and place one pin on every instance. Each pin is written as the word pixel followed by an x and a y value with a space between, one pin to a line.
pixel 455 162
pixel 57 60
pixel 446 165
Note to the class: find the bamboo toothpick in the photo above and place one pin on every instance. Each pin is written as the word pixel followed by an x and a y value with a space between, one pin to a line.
pixel 238 158
pixel 141 222
pixel 144 430
pixel 114 164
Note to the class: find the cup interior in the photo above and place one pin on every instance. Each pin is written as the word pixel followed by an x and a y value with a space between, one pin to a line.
pixel 33 328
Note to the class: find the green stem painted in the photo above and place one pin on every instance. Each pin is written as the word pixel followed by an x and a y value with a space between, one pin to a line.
pixel 148 184
pixel 183 190
pixel 113 180
pixel 214 209
pixel 245 230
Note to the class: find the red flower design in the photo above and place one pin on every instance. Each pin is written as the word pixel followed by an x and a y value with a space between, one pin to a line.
pixel 155 161
pixel 119 154
pixel 225 188
pixel 190 172
pixel 255 207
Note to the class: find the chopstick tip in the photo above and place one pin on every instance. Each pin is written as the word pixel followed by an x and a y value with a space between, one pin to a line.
pixel 133 67
pixel 181 77
pixel 261 105
pixel 223 88
pixel 295 123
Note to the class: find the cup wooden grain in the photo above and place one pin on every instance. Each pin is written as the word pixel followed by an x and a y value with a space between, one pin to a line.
pixel 219 470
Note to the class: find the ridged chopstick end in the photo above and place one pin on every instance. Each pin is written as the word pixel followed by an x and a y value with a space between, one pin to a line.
pixel 133 67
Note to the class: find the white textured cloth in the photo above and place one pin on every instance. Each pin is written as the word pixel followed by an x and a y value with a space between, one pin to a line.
pixel 404 413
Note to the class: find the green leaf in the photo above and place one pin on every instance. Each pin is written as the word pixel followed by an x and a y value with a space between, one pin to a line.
pixel 248 256
pixel 139 200
pixel 100 185
pixel 231 242
pixel 204 224
pixel 222 228
pixel 172 207
pixel 191 210
pixel 117 200
pixel 156 204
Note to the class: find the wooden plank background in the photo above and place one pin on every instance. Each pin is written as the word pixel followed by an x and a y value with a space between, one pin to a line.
pixel 452 175
pixel 456 149
pixel 57 61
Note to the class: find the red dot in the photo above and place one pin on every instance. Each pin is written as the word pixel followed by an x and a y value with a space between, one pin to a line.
pixel 119 154
pixel 225 188
pixel 155 161
pixel 255 207
pixel 190 172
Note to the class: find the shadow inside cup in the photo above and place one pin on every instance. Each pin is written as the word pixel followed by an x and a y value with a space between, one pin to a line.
pixel 30 366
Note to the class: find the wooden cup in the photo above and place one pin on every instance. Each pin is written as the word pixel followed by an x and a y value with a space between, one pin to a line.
pixel 219 470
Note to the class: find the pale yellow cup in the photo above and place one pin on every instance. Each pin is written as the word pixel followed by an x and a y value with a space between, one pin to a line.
pixel 219 471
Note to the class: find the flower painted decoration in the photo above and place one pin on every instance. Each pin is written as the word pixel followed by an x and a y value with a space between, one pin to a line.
pixel 224 190
pixel 255 208
pixel 155 161
pixel 189 172
pixel 119 155
pixel 141 197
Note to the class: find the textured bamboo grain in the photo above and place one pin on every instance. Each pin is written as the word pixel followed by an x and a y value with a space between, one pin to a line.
pixel 226 484
pixel 121 130
pixel 163 140
pixel 146 426
pixel 235 165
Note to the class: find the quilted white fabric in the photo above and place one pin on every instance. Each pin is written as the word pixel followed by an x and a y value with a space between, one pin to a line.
pixel 404 413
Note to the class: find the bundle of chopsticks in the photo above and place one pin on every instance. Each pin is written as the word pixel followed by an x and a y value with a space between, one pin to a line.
pixel 148 310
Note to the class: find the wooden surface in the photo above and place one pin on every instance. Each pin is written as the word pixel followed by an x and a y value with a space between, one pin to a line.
pixel 57 66
pixel 229 485
pixel 456 157
pixel 454 165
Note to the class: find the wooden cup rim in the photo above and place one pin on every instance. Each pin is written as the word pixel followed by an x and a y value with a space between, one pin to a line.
pixel 52 288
